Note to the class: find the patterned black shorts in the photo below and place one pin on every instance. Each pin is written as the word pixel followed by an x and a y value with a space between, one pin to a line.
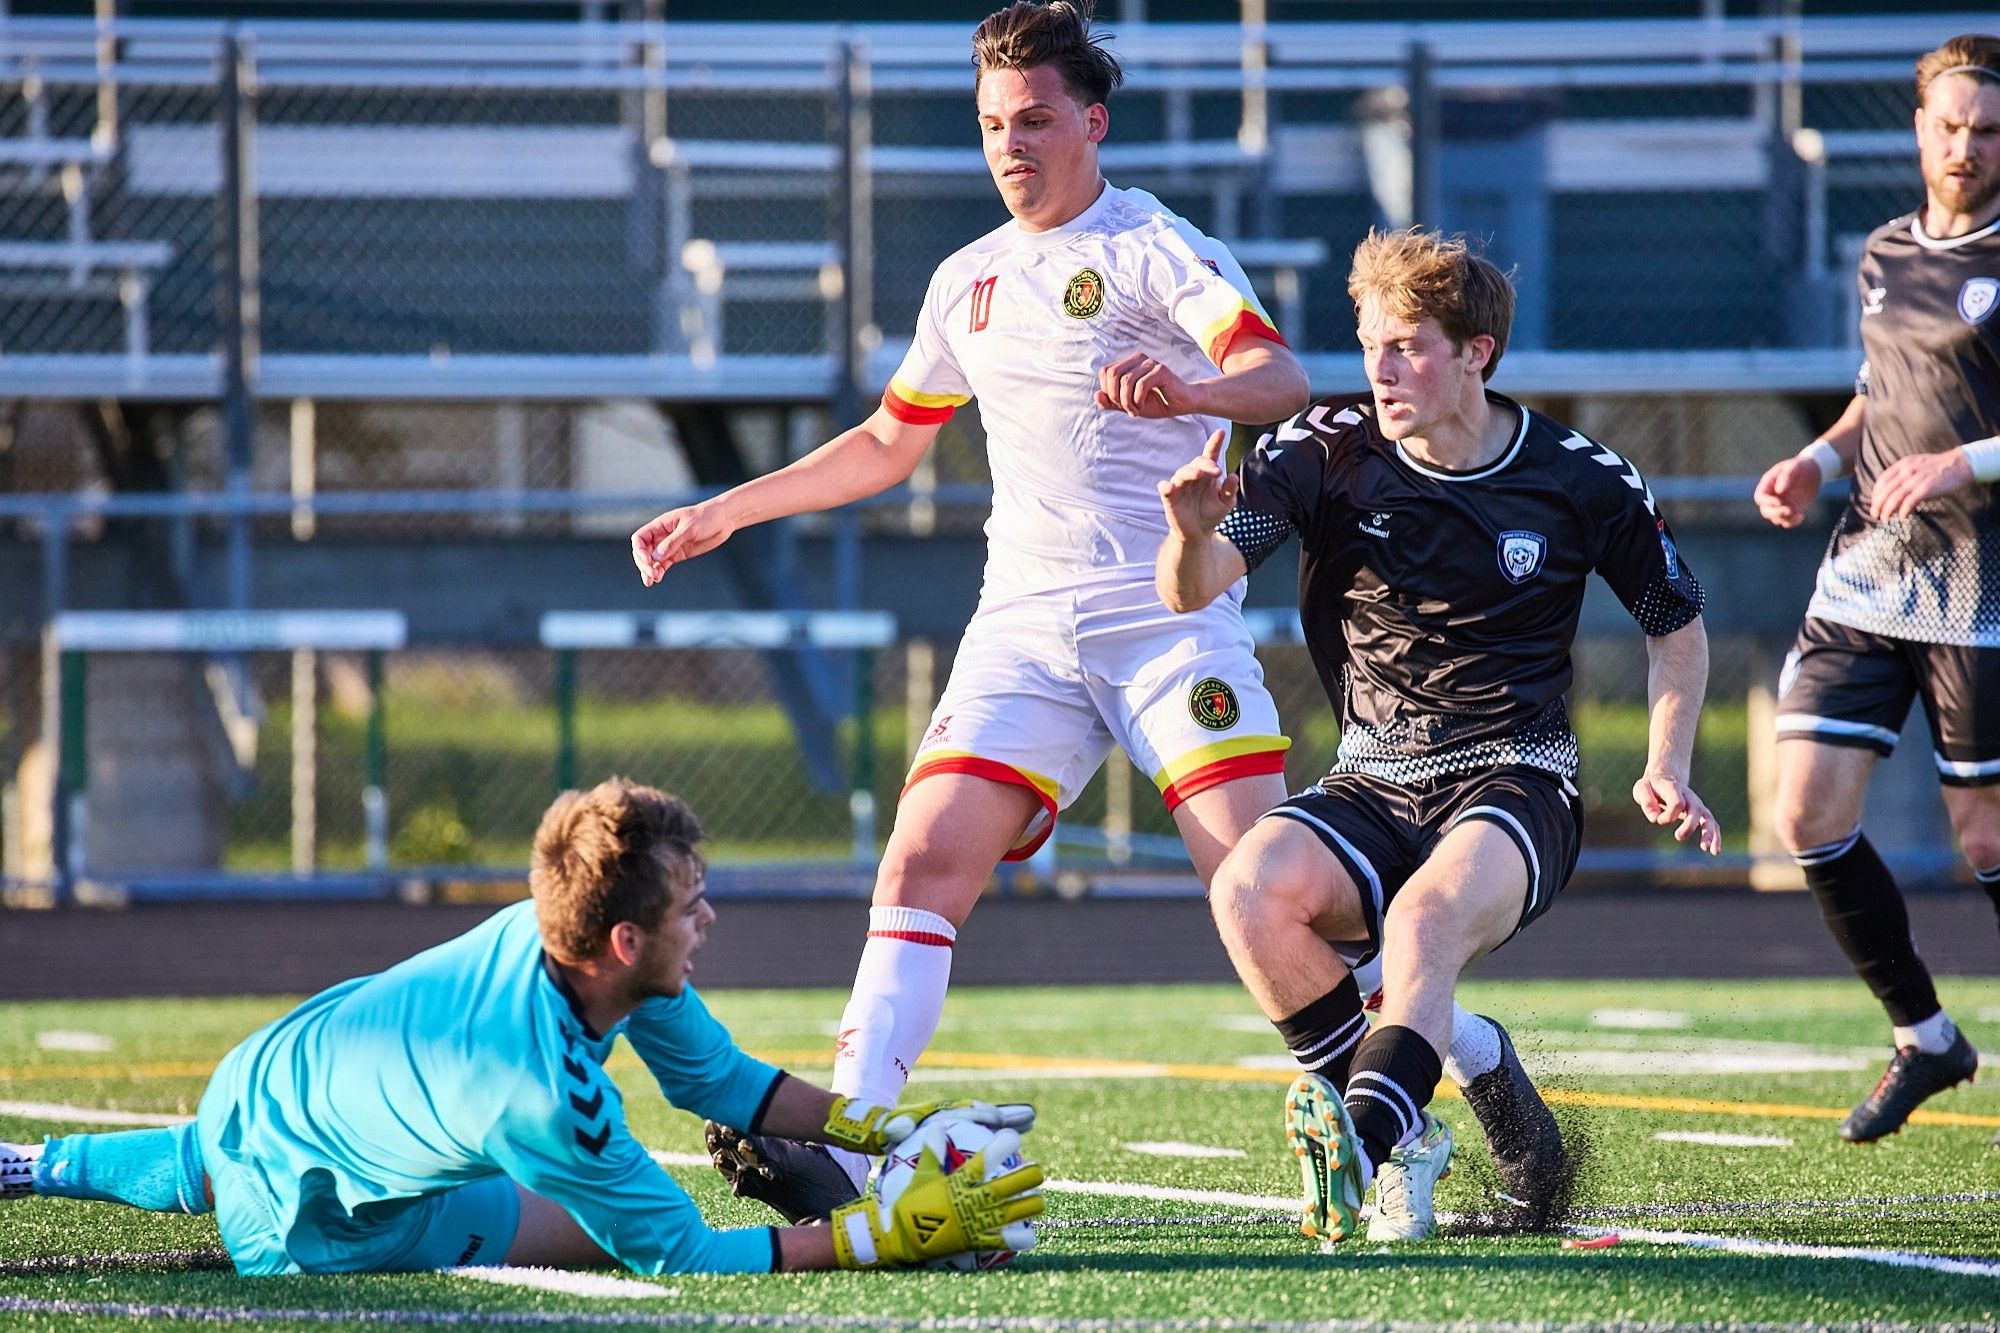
pixel 1846 686
pixel 1382 831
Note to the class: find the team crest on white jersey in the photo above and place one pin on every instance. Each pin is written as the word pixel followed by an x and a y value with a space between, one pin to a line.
pixel 1872 305
pixel 1521 555
pixel 1976 299
pixel 1084 296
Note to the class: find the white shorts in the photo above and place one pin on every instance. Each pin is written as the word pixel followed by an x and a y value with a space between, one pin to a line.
pixel 1045 684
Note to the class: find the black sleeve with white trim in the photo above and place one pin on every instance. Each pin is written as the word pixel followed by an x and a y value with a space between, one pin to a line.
pixel 1638 558
pixel 1281 481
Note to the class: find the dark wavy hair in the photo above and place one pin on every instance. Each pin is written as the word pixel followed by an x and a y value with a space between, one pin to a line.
pixel 1032 33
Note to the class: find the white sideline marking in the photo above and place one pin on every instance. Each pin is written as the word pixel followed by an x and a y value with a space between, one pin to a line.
pixel 1118 1189
pixel 1989 1013
pixel 1936 1263
pixel 1657 1019
pixel 678 1158
pixel 1681 1061
pixel 89 1115
pixel 1241 1023
pixel 599 1285
pixel 1722 1140
pixel 94 1042
pixel 1174 1148
pixel 1053 1073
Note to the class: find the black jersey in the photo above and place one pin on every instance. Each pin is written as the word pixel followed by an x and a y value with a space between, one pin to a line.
pixel 1439 606
pixel 1930 329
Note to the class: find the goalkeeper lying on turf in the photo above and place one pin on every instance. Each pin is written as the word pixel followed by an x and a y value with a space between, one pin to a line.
pixel 454 1109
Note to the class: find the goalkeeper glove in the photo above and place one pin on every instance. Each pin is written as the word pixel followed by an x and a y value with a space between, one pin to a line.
pixel 939 1215
pixel 866 1128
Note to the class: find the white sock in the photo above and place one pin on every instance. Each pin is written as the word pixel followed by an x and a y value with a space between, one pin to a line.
pixel 1932 1036
pixel 1475 1047
pixel 1475 1043
pixel 898 995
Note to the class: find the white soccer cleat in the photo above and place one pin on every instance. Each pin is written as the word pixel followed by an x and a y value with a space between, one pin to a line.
pixel 17 1169
pixel 1403 1187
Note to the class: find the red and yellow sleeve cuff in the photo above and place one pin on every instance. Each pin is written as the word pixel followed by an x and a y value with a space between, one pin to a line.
pixel 916 408
pixel 1224 334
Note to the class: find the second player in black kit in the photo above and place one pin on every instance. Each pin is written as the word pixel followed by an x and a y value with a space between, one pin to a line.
pixel 1448 536
pixel 1439 609
pixel 1907 602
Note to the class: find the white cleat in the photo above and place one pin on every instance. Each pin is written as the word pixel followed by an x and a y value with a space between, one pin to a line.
pixel 17 1169
pixel 1403 1187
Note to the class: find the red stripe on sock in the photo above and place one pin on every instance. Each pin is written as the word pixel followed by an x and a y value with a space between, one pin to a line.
pixel 913 936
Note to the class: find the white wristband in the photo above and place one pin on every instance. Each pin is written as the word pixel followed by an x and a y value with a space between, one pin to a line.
pixel 1984 455
pixel 1826 458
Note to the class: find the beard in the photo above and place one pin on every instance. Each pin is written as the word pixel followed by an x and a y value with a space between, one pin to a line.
pixel 1967 196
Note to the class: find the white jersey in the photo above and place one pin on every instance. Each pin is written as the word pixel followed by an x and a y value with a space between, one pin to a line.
pixel 1023 321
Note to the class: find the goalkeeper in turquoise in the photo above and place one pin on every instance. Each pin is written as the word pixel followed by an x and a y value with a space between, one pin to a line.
pixel 454 1110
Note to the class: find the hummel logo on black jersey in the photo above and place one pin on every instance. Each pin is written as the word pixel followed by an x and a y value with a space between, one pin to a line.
pixel 1376 525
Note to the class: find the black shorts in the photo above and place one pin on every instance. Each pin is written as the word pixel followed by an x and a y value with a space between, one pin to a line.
pixel 1846 686
pixel 1382 831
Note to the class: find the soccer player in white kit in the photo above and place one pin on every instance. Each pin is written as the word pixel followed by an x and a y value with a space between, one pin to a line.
pixel 1105 339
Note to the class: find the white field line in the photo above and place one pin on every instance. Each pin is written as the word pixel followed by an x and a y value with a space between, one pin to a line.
pixel 1175 1148
pixel 89 1115
pixel 1935 1263
pixel 1655 1019
pixel 93 1042
pixel 678 1158
pixel 1730 1209
pixel 1722 1140
pixel 1009 1323
pixel 1052 1073
pixel 1118 1189
pixel 601 1286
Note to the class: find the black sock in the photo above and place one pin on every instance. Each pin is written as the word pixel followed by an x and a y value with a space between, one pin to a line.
pixel 1395 1072
pixel 1861 906
pixel 1989 880
pixel 1322 1036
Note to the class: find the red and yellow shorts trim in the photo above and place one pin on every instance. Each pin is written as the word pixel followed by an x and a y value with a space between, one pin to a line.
pixel 1219 762
pixel 933 762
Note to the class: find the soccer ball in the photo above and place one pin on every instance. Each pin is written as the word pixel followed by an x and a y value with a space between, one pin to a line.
pixel 955 1142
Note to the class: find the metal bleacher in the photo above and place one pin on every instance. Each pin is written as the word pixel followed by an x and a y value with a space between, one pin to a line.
pixel 712 210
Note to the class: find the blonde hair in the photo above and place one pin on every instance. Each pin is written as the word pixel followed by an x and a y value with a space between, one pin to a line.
pixel 1028 34
pixel 610 854
pixel 1414 274
pixel 1969 53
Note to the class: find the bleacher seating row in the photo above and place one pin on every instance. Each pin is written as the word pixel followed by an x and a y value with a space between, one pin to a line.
pixel 650 203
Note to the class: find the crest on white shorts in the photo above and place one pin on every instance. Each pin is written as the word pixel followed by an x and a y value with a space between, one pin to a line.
pixel 1521 555
pixel 1976 299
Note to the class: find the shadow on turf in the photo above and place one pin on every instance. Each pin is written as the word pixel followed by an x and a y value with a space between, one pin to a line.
pixel 154 1261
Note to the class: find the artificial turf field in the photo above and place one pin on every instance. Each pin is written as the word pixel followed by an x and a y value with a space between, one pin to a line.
pixel 1169 1177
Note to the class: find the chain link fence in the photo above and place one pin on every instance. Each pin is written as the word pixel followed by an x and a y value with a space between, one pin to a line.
pixel 437 764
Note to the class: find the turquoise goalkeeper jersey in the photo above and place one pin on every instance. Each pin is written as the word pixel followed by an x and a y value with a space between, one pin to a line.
pixel 462 1063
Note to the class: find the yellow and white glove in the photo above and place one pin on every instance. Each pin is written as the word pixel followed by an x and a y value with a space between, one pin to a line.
pixel 939 1215
pixel 866 1128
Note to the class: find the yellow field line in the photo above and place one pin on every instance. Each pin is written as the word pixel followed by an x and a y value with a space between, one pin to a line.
pixel 1615 1101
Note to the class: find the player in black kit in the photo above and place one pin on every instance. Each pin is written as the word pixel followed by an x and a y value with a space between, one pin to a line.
pixel 1908 598
pixel 1447 533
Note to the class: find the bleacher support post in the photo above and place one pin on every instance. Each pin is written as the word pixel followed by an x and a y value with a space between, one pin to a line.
pixel 375 771
pixel 1426 114
pixel 236 294
pixel 565 719
pixel 861 795
pixel 72 835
